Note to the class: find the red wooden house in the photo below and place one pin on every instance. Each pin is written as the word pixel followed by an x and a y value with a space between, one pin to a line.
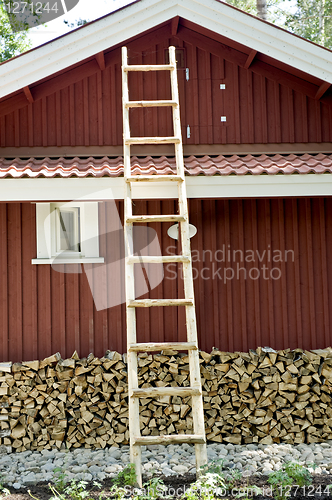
pixel 256 111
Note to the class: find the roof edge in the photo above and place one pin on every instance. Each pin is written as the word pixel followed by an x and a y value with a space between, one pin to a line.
pixel 143 15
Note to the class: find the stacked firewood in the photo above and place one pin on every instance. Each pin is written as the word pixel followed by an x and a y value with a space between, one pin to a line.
pixel 263 396
pixel 267 396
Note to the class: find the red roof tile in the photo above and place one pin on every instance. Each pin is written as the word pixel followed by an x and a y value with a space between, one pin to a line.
pixel 206 165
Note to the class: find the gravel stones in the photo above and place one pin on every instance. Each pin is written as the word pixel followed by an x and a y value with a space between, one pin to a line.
pixel 23 469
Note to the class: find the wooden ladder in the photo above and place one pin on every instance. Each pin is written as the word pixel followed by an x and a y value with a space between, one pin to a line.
pixel 133 348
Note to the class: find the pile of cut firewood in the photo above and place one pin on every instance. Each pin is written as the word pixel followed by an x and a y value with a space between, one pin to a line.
pixel 263 396
pixel 268 396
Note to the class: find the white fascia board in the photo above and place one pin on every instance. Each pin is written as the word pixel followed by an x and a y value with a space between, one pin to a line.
pixel 263 37
pixel 246 186
pixel 145 14
pixel 83 43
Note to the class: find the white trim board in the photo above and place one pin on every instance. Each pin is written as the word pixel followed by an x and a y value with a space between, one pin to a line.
pixel 83 260
pixel 145 14
pixel 106 188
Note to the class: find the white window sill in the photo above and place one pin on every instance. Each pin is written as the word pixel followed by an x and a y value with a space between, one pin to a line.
pixel 73 260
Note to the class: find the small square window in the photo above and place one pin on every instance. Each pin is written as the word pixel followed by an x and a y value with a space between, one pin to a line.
pixel 67 233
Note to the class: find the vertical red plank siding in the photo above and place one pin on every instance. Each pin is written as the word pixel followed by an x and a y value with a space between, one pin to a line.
pixel 73 310
pixel 64 117
pixel 4 333
pixel 247 118
pixel 14 291
pixel 44 311
pixel 169 284
pixel 255 334
pixel 157 313
pixel 282 288
pixel 2 131
pixel 197 246
pixel 45 122
pixel 57 118
pixel 86 306
pixel 100 317
pixel 115 277
pixel 79 114
pixel 17 128
pixel 29 283
pixel 257 109
pixel 323 270
pixel 100 109
pixel 58 294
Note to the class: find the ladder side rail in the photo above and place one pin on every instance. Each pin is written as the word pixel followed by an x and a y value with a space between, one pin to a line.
pixel 194 366
pixel 134 429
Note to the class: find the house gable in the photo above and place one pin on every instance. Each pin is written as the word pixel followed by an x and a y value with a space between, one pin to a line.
pixel 261 103
pixel 143 15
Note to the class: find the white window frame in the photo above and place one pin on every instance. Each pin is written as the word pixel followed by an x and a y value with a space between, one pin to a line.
pixel 47 225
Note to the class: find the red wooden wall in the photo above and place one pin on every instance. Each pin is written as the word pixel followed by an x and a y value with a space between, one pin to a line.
pixel 263 104
pixel 43 311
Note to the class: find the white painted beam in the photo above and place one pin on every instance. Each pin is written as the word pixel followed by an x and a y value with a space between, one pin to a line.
pixel 246 186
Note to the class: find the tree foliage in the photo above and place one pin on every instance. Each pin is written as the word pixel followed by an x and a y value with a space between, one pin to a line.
pixel 312 20
pixel 12 42
pixel 271 10
pixel 246 5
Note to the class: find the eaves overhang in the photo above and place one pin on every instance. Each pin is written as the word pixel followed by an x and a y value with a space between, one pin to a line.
pixel 143 15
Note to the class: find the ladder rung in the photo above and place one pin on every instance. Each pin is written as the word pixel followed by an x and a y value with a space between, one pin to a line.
pixel 169 439
pixel 154 178
pixel 161 346
pixel 158 259
pixel 160 302
pixel 153 392
pixel 155 218
pixel 148 67
pixel 150 104
pixel 152 140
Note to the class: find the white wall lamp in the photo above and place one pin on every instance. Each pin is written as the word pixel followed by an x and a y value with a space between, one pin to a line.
pixel 173 231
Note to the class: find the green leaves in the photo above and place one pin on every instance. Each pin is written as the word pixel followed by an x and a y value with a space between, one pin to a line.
pixel 11 43
pixel 127 477
pixel 299 474
pixel 207 487
pixel 291 474
pixel 310 19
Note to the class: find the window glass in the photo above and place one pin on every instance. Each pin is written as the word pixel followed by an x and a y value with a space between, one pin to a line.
pixel 68 234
